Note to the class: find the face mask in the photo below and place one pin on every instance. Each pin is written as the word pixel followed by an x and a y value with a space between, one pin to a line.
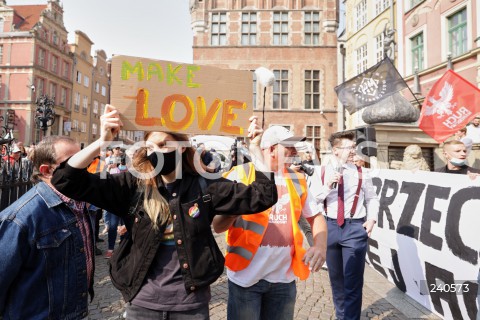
pixel 457 162
pixel 169 164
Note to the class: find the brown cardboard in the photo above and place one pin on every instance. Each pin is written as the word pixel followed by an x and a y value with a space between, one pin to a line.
pixel 154 95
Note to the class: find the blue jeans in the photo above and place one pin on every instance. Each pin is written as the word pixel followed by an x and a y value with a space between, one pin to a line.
pixel 139 313
pixel 263 300
pixel 113 222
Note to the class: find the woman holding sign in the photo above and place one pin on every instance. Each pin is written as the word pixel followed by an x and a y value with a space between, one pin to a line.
pixel 165 267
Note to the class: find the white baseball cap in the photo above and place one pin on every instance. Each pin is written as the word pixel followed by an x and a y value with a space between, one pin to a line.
pixel 279 135
pixel 16 149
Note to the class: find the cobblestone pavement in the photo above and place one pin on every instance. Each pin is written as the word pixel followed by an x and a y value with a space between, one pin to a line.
pixel 314 297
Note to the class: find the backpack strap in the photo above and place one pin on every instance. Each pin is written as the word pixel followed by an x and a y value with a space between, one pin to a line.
pixel 203 186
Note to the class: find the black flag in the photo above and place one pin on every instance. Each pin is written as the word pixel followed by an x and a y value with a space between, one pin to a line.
pixel 371 86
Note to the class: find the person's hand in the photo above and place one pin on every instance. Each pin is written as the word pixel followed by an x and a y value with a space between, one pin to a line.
pixel 296 167
pixel 315 257
pixel 121 230
pixel 254 131
pixel 472 175
pixel 110 123
pixel 335 178
pixel 368 226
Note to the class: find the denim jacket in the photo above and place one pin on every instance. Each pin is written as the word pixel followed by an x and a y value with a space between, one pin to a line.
pixel 42 261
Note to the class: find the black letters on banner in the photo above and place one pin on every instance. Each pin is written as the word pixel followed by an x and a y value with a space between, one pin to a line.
pixel 452 231
pixel 375 259
pixel 386 201
pixel 470 297
pixel 432 273
pixel 397 273
pixel 430 214
pixel 414 191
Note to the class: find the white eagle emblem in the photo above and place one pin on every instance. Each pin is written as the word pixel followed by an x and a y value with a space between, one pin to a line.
pixel 443 105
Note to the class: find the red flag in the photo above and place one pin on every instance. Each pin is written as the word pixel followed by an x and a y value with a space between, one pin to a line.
pixel 449 106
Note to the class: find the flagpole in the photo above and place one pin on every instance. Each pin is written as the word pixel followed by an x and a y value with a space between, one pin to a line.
pixel 406 85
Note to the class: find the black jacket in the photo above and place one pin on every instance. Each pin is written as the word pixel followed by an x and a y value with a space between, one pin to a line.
pixel 463 170
pixel 199 256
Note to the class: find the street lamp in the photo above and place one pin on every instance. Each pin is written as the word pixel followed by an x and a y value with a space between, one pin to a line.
pixel 45 116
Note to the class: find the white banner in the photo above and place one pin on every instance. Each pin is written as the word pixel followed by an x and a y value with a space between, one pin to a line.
pixel 427 238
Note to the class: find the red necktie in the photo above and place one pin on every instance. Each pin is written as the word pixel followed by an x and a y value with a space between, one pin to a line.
pixel 340 203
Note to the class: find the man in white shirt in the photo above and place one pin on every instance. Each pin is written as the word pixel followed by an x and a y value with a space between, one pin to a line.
pixel 347 194
pixel 261 276
pixel 473 130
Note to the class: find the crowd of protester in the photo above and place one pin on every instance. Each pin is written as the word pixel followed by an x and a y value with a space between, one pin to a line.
pixel 164 204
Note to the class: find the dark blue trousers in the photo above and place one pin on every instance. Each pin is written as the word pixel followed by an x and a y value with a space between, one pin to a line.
pixel 346 249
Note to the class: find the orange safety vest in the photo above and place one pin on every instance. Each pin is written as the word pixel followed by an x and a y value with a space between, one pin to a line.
pixel 245 235
pixel 96 165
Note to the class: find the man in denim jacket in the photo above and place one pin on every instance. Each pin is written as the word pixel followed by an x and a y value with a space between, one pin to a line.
pixel 47 245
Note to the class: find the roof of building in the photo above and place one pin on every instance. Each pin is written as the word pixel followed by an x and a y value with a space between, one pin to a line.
pixel 27 16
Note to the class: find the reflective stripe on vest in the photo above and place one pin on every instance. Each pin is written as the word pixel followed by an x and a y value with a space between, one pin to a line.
pixel 245 236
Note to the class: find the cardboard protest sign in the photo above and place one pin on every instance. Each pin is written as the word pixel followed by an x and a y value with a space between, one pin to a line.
pixel 169 96
pixel 426 239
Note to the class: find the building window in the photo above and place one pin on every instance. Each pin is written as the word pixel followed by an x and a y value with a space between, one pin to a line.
pixel 85 105
pixel 249 28
pixel 84 127
pixel 379 46
pixel 104 91
pixel 313 136
pixel 97 87
pixel 361 14
pixel 417 52
pixel 361 56
pixel 86 81
pixel 280 89
pixel 79 77
pixel 312 28
pixel 2 23
pixel 1 54
pixel 76 105
pixel 381 5
pixel 102 108
pixel 55 38
pixel 457 33
pixel 54 64
pixel 41 57
pixel 66 68
pixel 219 29
pixel 40 88
pixel 94 128
pixel 53 91
pixel 75 125
pixel 312 89
pixel 413 3
pixel 63 97
pixel 254 102
pixel 95 107
pixel 280 28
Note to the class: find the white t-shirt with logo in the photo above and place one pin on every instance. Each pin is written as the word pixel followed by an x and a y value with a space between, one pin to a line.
pixel 273 260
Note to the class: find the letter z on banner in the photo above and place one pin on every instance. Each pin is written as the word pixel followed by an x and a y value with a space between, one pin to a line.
pixel 449 106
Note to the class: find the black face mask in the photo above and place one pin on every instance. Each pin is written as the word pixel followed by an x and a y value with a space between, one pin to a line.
pixel 170 161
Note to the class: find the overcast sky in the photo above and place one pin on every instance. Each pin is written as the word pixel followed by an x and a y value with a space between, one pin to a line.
pixel 156 29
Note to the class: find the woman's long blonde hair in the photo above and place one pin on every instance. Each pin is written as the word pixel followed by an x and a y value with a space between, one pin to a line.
pixel 154 204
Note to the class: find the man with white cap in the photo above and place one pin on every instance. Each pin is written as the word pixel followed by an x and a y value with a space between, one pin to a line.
pixel 264 251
